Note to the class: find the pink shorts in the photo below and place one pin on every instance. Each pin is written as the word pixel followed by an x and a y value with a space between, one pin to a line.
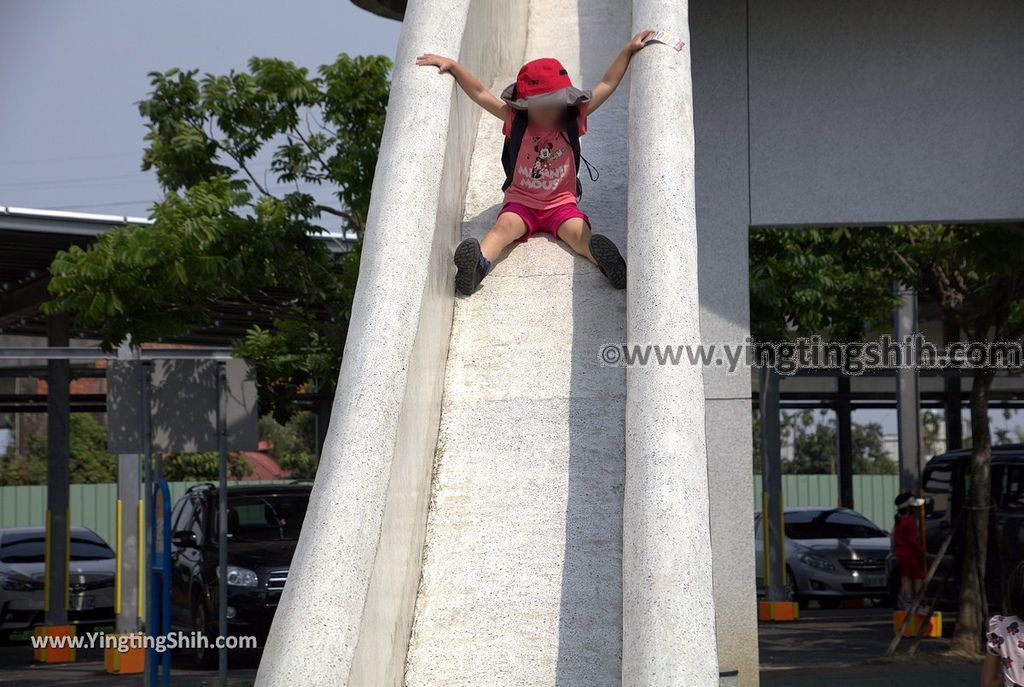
pixel 544 220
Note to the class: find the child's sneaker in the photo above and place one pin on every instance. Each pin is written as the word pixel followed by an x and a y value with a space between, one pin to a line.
pixel 472 266
pixel 609 260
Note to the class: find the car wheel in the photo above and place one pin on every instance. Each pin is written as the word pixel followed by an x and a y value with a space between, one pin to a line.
pixel 205 657
pixel 793 591
pixel 829 603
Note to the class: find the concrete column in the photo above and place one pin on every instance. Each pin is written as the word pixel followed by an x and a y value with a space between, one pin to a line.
pixel 128 542
pixel 58 473
pixel 718 35
pixel 668 601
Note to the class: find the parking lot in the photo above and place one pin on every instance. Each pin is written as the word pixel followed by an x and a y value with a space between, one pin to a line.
pixel 825 648
pixel 846 648
pixel 17 668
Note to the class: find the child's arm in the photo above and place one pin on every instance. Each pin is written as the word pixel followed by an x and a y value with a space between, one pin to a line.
pixel 991 672
pixel 469 83
pixel 613 77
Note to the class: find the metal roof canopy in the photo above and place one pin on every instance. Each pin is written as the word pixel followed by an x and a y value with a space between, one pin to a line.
pixel 30 239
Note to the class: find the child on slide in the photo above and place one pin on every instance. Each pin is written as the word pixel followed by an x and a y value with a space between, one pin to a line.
pixel 543 116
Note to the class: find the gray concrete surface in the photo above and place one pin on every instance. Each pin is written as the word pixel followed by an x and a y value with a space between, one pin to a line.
pixel 522 572
pixel 347 609
pixel 719 48
pixel 880 111
pixel 668 599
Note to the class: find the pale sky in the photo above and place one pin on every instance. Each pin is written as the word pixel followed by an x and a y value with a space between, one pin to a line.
pixel 71 72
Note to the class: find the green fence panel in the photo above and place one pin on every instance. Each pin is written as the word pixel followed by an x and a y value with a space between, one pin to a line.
pixel 873 495
pixel 92 505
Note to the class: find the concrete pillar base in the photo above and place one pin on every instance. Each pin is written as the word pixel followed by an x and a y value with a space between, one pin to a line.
pixel 129 662
pixel 778 611
pixel 57 650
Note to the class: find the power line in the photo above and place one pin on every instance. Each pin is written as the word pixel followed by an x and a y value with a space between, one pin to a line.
pixel 50 160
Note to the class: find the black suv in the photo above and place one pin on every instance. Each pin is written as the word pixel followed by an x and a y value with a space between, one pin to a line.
pixel 263 527
pixel 945 487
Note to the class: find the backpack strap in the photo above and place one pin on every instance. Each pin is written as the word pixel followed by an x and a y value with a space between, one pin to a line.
pixel 572 137
pixel 571 134
pixel 510 150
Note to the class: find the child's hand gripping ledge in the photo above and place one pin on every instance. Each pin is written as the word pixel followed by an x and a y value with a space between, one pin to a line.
pixel 541 186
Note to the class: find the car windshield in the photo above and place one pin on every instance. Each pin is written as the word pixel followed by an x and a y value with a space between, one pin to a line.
pixel 265 517
pixel 33 550
pixel 829 524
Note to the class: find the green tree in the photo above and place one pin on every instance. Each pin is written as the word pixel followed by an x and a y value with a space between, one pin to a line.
pixel 931 422
pixel 230 237
pixel 16 469
pixel 816 446
pixel 91 463
pixel 826 282
pixel 976 276
pixel 293 444
pixel 202 467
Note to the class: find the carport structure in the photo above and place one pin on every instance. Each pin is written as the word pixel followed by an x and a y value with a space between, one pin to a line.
pixel 29 240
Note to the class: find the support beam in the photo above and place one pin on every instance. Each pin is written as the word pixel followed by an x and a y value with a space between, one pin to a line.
pixel 23 301
pixel 844 436
pixel 58 475
pixel 908 394
pixel 129 539
pixel 128 542
pixel 771 484
pixel 953 402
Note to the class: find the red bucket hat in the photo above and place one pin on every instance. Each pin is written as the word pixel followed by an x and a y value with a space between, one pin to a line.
pixel 543 82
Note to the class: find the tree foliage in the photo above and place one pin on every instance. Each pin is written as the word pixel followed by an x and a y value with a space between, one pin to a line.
pixel 826 282
pixel 293 444
pixel 976 276
pixel 91 463
pixel 202 467
pixel 228 233
pixel 815 445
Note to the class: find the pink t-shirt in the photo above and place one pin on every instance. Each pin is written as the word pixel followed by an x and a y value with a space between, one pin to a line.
pixel 545 172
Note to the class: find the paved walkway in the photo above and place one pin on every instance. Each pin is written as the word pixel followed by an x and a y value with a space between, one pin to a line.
pixel 17 668
pixel 930 674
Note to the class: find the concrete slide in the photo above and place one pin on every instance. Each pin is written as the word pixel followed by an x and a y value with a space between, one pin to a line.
pixel 495 505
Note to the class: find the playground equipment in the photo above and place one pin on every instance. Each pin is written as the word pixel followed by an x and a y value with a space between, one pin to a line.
pixel 567 540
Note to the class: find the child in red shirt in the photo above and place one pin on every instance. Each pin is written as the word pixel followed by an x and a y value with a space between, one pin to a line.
pixel 543 116
pixel 907 547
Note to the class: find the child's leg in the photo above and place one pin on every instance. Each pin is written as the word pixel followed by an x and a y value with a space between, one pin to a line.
pixel 576 234
pixel 508 227
pixel 906 590
pixel 473 258
pixel 596 248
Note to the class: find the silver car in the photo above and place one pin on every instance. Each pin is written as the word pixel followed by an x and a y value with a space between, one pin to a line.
pixel 831 553
pixel 22 569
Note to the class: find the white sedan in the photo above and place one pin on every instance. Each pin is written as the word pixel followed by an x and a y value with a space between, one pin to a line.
pixel 22 570
pixel 831 553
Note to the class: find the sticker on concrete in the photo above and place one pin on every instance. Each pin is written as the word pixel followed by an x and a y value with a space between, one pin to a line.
pixel 666 38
